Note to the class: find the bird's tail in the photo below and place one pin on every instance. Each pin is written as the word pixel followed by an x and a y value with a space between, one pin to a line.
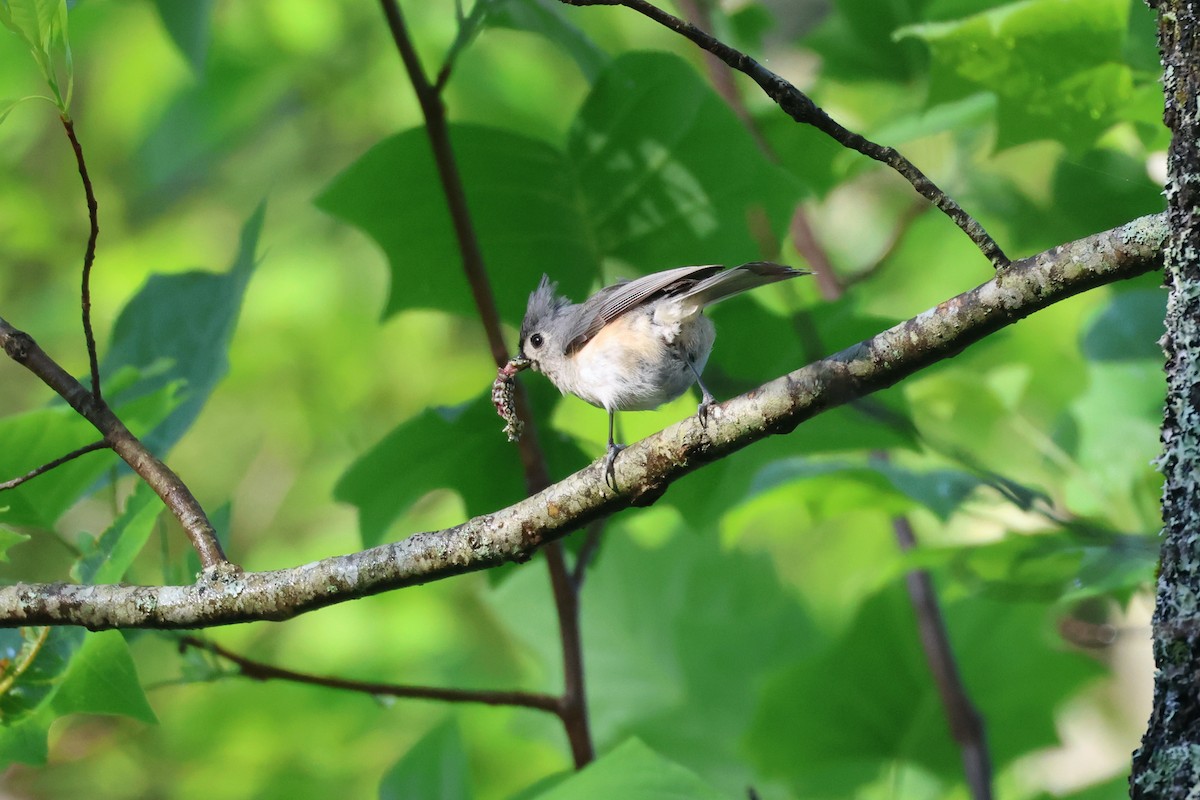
pixel 736 280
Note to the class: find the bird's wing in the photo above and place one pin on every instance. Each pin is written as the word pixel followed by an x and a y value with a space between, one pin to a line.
pixel 613 301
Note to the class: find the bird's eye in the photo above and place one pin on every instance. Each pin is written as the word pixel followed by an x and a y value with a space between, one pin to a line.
pixel 536 340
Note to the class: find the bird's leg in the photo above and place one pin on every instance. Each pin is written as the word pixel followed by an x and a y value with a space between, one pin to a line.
pixel 707 401
pixel 610 460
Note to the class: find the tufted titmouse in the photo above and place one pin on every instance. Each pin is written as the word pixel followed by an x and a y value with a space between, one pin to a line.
pixel 636 344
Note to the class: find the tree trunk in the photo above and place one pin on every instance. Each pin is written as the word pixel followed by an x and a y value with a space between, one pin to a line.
pixel 1168 763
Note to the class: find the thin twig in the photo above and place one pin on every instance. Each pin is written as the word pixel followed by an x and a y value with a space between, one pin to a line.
pixel 801 108
pixel 20 347
pixel 537 477
pixel 259 671
pixel 966 723
pixel 13 483
pixel 89 257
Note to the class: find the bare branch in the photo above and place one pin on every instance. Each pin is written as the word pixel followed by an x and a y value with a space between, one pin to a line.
pixel 966 723
pixel 259 671
pixel 574 708
pixel 20 347
pixel 645 469
pixel 89 257
pixel 801 108
pixel 13 483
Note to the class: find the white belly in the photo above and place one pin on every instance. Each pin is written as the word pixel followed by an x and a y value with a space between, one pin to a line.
pixel 640 362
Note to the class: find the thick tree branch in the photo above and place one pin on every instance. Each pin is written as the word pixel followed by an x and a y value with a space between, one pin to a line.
pixel 259 671
pixel 801 108
pixel 20 347
pixel 1167 765
pixel 645 469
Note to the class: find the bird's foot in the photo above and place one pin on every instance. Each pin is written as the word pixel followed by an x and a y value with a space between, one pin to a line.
pixel 703 409
pixel 610 464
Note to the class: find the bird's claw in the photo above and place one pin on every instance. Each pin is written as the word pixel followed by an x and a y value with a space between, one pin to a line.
pixel 610 464
pixel 702 411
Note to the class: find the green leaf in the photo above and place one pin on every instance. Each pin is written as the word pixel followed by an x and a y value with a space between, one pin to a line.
pixel 189 26
pixel 45 662
pixel 9 538
pixel 1052 567
pixel 459 448
pixel 38 437
pixel 668 173
pixel 74 671
pixel 1116 185
pixel 856 41
pixel 1129 327
pixel 942 491
pixel 102 679
pixel 1056 65
pixel 833 722
pixel 547 18
pixel 40 23
pixel 26 741
pixel 632 771
pixel 186 320
pixel 523 204
pixel 436 766
pixel 665 676
pixel 118 546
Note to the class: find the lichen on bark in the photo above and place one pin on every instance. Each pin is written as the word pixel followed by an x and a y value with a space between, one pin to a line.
pixel 1168 763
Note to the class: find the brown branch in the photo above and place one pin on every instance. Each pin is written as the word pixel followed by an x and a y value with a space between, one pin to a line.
pixel 533 461
pixel 644 471
pixel 801 108
pixel 13 483
pixel 587 551
pixel 89 257
pixel 966 723
pixel 259 671
pixel 20 347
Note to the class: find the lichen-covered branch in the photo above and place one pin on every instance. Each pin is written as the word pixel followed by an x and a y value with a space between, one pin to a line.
pixel 801 108
pixel 644 470
pixel 1167 766
pixel 20 347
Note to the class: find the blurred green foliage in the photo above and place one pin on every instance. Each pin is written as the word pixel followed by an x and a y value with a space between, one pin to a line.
pixel 329 390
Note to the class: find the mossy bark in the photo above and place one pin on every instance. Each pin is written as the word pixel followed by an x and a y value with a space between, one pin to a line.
pixel 1168 763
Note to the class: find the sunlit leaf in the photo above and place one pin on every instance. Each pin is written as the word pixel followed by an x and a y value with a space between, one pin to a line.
pixel 1055 65
pixel 669 174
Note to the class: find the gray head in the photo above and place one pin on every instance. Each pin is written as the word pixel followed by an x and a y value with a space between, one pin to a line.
pixel 543 329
